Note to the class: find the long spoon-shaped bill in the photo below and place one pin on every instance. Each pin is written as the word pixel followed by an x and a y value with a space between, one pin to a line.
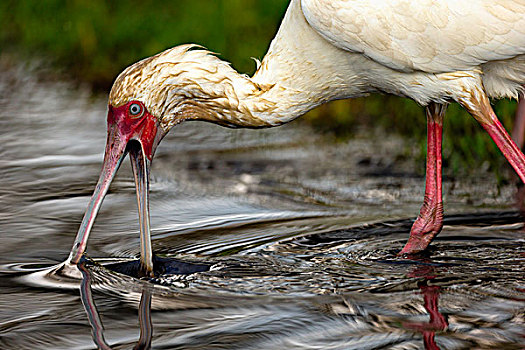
pixel 131 129
pixel 115 152
pixel 140 165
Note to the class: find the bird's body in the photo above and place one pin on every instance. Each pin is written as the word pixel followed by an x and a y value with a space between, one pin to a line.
pixel 310 62
pixel 433 52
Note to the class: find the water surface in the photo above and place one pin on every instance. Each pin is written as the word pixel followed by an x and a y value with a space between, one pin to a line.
pixel 300 235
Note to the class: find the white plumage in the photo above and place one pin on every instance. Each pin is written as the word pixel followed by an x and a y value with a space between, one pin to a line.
pixel 429 51
pixel 430 36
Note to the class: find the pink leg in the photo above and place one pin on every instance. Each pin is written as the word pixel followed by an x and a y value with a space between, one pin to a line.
pixel 430 220
pixel 502 139
pixel 479 106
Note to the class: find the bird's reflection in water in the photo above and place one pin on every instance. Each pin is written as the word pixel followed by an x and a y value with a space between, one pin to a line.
pixel 386 314
pixel 430 294
pixel 146 327
pixel 144 312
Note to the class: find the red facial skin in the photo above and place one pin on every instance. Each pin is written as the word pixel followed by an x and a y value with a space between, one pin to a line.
pixel 142 127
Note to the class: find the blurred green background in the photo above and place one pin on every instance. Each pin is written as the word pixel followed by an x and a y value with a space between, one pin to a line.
pixel 92 41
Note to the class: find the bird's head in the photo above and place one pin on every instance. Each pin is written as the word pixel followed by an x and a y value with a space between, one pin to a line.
pixel 147 99
pixel 150 97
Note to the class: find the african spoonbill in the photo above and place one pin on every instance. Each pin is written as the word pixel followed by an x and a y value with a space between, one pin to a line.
pixel 433 52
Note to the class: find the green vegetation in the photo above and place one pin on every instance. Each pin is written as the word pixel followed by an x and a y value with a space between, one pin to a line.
pixel 467 149
pixel 93 40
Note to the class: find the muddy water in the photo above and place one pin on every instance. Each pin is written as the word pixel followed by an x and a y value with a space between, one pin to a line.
pixel 298 236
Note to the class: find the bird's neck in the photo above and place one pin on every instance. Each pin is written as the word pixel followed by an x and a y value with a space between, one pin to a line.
pixel 304 69
pixel 300 71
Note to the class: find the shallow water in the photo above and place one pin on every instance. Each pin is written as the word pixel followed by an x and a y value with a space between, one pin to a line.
pixel 300 234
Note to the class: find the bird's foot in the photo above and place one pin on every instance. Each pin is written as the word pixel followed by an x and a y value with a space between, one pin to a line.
pixel 427 226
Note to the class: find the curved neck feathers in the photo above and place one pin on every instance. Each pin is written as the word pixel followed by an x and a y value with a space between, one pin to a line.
pixel 300 71
pixel 303 69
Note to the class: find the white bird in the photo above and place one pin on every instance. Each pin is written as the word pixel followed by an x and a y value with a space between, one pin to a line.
pixel 433 52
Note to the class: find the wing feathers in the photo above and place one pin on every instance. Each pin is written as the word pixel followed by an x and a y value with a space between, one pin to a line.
pixel 425 35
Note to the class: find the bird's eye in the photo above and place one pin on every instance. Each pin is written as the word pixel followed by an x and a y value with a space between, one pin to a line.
pixel 136 110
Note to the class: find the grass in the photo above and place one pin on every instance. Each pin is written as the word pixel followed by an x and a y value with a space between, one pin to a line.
pixel 467 148
pixel 94 40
